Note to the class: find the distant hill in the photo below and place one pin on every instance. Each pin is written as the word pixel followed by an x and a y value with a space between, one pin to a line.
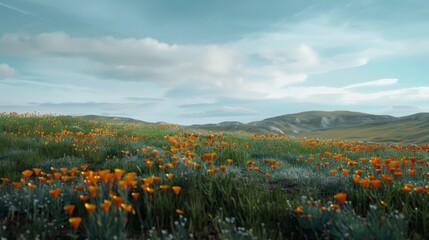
pixel 413 129
pixel 118 120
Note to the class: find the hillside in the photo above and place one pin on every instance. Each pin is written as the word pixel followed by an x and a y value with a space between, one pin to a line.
pixel 413 129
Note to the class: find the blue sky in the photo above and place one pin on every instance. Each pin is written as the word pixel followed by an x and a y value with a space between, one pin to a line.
pixel 210 61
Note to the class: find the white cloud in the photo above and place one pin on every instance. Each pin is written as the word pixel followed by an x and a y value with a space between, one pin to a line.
pixel 6 71
pixel 379 82
pixel 291 54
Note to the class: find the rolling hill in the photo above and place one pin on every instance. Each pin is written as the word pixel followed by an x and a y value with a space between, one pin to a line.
pixel 413 129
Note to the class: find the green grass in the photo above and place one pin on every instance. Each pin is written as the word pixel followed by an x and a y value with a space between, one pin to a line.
pixel 277 187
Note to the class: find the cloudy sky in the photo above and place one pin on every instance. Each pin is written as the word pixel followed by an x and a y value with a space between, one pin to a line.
pixel 210 61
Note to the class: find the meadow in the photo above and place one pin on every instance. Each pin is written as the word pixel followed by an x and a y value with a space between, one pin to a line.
pixel 76 178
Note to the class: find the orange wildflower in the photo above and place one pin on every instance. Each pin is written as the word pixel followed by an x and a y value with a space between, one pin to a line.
pixel 341 197
pixel 75 222
pixel 229 161
pixel 37 171
pixel 127 207
pixel 176 189
pixel 83 198
pixel 365 182
pixel 387 178
pixel 93 191
pixel 179 211
pixel 27 173
pixel 406 189
pixel 69 208
pixel 419 189
pixel 135 195
pixel 55 192
pixel 211 171
pixel 376 183
pixel 90 207
pixel 118 173
pixel 106 205
pixel 118 200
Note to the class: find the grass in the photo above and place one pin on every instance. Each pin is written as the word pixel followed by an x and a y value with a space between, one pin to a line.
pixel 132 180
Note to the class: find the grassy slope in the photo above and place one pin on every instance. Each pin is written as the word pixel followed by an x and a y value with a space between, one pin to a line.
pixel 412 129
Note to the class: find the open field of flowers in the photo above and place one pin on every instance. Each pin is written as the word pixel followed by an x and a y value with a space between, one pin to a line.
pixel 70 177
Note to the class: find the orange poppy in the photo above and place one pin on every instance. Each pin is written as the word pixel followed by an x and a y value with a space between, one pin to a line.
pixel 55 193
pixel 341 197
pixel 176 189
pixel 75 222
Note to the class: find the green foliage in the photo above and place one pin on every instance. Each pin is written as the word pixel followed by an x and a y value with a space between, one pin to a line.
pixel 276 187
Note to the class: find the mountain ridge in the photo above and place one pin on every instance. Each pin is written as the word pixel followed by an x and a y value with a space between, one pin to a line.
pixel 347 125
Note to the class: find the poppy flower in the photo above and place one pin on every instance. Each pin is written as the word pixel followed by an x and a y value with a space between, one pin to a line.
pixel 75 222
pixel 27 173
pixel 55 192
pixel 69 208
pixel 90 207
pixel 341 197
pixel 106 205
pixel 176 189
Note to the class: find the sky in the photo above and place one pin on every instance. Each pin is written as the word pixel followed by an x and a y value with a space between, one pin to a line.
pixel 192 62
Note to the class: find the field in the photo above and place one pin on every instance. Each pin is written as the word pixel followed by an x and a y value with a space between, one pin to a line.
pixel 79 178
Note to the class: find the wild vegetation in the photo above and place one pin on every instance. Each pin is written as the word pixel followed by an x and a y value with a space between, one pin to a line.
pixel 70 177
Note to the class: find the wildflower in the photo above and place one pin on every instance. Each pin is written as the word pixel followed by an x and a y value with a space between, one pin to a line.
pixel 93 191
pixel 118 173
pixel 341 197
pixel 31 185
pixel 211 171
pixel 298 209
pixel 418 189
pixel 333 172
pixel 387 178
pixel 90 207
pixel 27 173
pixel 135 195
pixel 164 187
pixel 55 192
pixel 169 176
pixel 118 200
pixel 127 207
pixel 406 189
pixel 69 208
pixel 149 190
pixel 365 182
pixel 75 222
pixel 37 171
pixel 222 168
pixel 179 211
pixel 105 206
pixel 229 161
pixel 83 198
pixel 176 189
pixel 376 183
pixel 334 207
